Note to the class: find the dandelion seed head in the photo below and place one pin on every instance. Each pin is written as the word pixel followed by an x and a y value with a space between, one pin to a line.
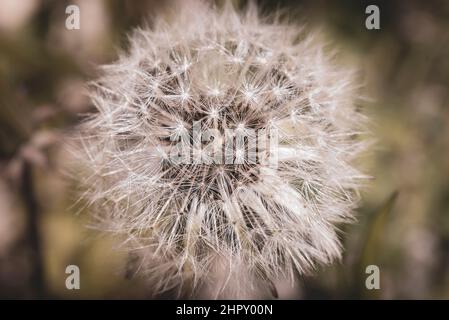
pixel 246 223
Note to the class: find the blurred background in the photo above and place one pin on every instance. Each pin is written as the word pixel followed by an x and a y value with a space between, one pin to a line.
pixel 403 221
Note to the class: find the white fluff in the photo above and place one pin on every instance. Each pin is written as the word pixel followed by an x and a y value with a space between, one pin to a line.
pixel 248 224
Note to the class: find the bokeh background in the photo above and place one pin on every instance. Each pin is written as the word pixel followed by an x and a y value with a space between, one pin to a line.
pixel 403 221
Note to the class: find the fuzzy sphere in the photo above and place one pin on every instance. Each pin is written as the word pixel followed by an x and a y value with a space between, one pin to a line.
pixel 227 229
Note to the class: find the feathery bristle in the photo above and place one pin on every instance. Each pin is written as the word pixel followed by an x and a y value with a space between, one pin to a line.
pixel 190 220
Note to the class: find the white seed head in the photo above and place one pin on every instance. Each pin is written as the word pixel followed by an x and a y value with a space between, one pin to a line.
pixel 250 221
